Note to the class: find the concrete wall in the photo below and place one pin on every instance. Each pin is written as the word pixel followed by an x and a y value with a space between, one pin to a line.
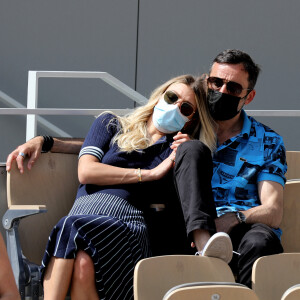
pixel 142 43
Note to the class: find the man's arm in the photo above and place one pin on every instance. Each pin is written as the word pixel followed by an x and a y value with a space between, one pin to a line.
pixel 269 212
pixel 33 149
pixel 67 145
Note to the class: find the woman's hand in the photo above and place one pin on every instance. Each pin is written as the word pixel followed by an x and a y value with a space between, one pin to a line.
pixel 32 149
pixel 179 138
pixel 161 170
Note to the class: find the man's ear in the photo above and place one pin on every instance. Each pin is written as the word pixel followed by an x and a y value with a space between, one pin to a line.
pixel 250 97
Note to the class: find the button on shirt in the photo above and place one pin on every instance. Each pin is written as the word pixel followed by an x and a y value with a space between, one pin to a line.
pixel 257 153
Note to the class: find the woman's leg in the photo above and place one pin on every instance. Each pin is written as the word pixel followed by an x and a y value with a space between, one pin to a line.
pixel 57 278
pixel 83 279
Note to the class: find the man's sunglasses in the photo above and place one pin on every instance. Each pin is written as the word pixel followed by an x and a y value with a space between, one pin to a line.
pixel 233 88
pixel 185 108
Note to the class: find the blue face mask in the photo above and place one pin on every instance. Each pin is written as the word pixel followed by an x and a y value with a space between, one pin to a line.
pixel 167 118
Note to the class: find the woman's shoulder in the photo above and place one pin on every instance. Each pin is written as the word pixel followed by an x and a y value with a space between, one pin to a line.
pixel 108 119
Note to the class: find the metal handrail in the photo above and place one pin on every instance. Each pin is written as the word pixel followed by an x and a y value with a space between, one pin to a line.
pixel 32 111
pixel 32 96
pixel 94 112
pixel 61 111
pixel 12 103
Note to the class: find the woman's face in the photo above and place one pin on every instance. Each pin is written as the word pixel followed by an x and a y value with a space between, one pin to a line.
pixel 184 94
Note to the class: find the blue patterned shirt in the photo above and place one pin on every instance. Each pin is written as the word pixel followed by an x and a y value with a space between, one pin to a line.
pixel 257 153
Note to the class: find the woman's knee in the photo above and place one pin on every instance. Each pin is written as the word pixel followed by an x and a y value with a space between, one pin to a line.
pixel 84 272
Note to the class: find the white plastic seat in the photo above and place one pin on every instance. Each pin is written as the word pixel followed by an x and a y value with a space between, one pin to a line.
pixel 210 291
pixel 272 275
pixel 154 276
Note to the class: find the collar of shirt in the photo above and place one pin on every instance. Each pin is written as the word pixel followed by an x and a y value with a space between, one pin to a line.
pixel 245 132
pixel 164 139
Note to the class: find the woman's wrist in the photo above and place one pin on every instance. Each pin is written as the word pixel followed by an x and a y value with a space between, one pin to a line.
pixel 139 175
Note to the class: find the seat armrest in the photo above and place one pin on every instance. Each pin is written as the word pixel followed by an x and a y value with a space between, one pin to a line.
pixel 16 212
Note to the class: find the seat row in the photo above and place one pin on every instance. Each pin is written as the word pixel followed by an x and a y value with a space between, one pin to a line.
pixel 51 186
pixel 179 277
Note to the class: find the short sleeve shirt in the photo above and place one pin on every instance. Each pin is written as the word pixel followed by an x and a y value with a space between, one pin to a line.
pixel 239 164
pixel 98 143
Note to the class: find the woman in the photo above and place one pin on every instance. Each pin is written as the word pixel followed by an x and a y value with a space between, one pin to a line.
pixel 121 162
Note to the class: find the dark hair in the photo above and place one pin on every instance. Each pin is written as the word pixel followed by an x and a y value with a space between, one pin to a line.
pixel 233 56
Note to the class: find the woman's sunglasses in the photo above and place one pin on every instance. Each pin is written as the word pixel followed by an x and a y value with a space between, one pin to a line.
pixel 233 88
pixel 185 108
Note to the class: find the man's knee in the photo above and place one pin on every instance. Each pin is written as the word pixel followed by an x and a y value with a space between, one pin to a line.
pixel 192 151
pixel 261 240
pixel 193 146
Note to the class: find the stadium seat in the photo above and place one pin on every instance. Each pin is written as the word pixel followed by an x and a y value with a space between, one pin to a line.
pixel 154 276
pixel 210 291
pixel 272 275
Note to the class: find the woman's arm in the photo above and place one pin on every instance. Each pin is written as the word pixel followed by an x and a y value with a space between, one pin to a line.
pixel 90 171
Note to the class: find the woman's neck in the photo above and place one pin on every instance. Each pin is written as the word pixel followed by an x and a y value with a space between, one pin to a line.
pixel 153 133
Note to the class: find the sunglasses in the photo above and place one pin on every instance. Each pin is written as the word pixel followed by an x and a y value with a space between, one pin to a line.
pixel 186 108
pixel 233 88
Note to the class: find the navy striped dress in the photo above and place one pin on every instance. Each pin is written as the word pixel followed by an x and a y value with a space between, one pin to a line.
pixel 107 221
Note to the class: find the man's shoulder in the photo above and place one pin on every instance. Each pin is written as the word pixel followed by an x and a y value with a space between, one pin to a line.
pixel 261 129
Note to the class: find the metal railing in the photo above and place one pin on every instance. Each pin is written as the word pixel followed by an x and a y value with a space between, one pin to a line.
pixel 32 111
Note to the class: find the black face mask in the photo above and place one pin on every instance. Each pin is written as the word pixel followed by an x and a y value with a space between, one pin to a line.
pixel 222 106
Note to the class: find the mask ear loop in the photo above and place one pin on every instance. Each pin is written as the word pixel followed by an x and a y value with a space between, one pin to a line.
pixel 247 95
pixel 244 98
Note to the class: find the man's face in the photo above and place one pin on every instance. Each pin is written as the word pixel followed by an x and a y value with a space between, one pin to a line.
pixel 235 73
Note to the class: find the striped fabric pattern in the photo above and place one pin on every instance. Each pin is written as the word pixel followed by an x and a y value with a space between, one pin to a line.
pixel 95 151
pixel 112 232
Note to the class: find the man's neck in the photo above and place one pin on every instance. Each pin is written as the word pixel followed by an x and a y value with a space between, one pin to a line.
pixel 229 128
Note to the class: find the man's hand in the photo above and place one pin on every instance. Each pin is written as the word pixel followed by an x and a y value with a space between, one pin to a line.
pixel 226 222
pixel 32 149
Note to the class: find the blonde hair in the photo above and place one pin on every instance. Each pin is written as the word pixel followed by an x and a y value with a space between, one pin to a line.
pixel 133 135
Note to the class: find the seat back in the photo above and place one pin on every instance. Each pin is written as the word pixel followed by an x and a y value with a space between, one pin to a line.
pixel 293 293
pixel 53 182
pixel 154 276
pixel 293 162
pixel 272 275
pixel 212 291
pixel 290 224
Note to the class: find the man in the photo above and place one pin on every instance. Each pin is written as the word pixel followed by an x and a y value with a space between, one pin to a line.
pixel 247 178
pixel 247 172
